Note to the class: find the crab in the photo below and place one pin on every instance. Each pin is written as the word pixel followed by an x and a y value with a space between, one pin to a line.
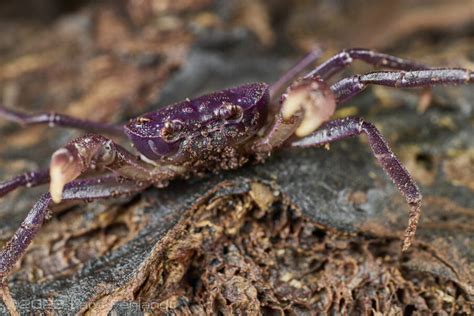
pixel 219 131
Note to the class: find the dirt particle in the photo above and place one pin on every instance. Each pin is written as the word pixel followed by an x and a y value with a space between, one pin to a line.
pixel 262 195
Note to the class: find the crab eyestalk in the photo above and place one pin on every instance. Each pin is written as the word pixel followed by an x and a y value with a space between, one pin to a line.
pixel 64 167
pixel 311 97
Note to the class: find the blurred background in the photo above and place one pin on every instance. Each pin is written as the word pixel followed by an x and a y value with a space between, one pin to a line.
pixel 55 53
pixel 113 60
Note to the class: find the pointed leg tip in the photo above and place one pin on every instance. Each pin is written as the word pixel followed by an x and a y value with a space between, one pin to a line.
pixel 406 245
pixel 7 299
pixel 409 237
pixel 414 217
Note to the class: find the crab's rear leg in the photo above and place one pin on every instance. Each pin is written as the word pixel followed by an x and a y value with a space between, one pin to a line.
pixel 348 127
pixel 346 57
pixel 54 119
pixel 27 179
pixel 347 88
pixel 88 189
pixel 341 60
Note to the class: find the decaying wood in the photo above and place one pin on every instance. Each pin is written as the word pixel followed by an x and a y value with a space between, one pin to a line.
pixel 310 229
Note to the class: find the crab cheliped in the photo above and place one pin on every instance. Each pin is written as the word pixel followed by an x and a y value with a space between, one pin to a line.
pixel 218 131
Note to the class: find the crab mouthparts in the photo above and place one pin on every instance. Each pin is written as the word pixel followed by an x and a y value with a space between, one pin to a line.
pixel 63 169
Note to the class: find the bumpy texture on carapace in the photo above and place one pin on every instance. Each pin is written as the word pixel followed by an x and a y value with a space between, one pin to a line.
pixel 202 126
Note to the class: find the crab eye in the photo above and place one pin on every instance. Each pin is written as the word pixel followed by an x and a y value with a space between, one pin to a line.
pixel 230 112
pixel 171 131
pixel 107 153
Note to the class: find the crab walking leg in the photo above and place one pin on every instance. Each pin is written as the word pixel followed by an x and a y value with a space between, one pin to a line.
pixel 88 189
pixel 291 74
pixel 346 57
pixel 95 152
pixel 54 119
pixel 347 88
pixel 348 127
pixel 27 179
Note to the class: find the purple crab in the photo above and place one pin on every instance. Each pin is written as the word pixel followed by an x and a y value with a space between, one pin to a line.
pixel 219 131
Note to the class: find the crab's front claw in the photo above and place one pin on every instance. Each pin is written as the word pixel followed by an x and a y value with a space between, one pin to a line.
pixel 65 166
pixel 313 99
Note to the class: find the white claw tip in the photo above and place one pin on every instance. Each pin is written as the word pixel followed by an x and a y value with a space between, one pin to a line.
pixel 63 169
pixel 292 104
pixel 57 185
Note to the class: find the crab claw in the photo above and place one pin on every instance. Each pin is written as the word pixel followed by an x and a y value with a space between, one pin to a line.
pixel 63 169
pixel 314 99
